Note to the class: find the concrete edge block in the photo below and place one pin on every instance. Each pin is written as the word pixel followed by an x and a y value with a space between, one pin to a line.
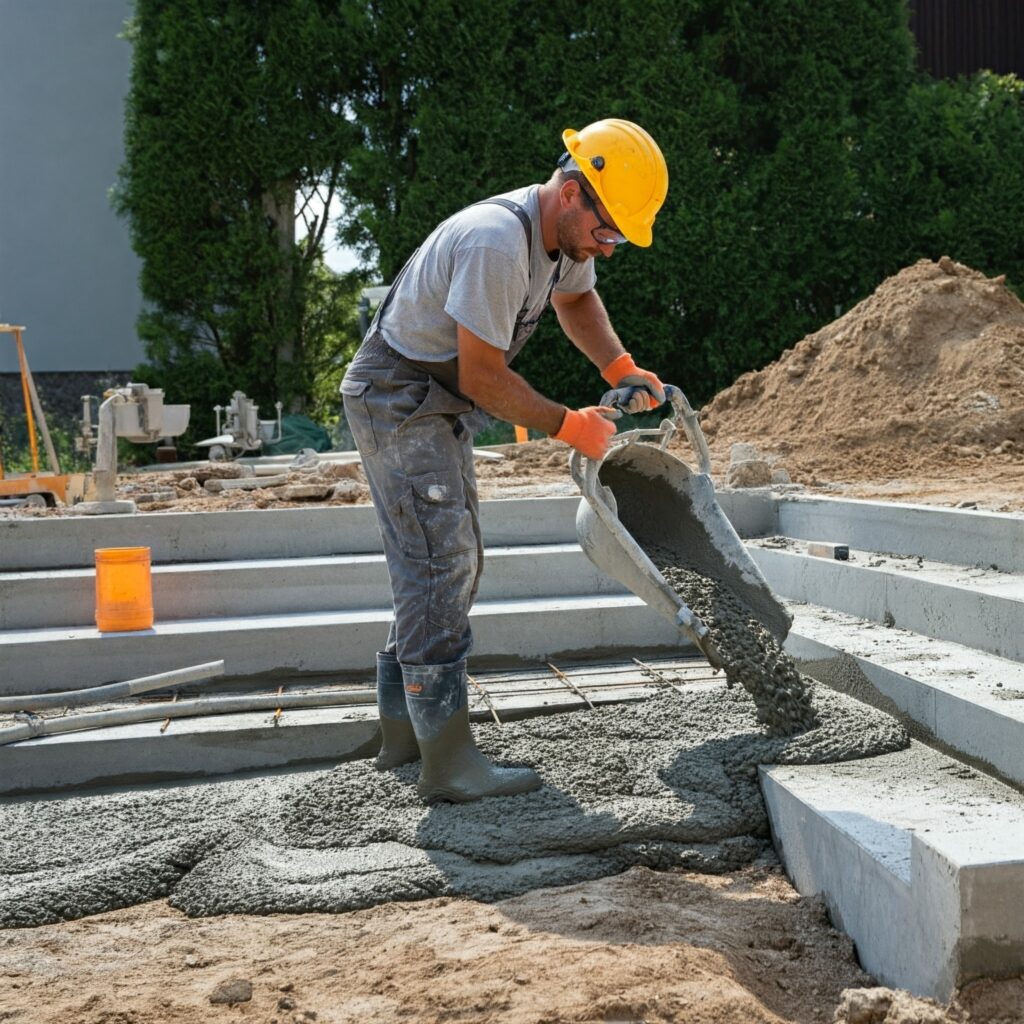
pixel 962 536
pixel 906 931
pixel 69 542
pixel 522 631
pixel 976 730
pixel 933 608
pixel 237 743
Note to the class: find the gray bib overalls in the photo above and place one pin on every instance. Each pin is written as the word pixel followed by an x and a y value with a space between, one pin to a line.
pixel 414 432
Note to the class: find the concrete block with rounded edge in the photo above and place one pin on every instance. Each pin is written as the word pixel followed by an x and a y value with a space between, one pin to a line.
pixel 916 857
pixel 970 700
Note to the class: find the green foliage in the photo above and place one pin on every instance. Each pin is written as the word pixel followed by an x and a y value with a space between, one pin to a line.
pixel 955 184
pixel 234 108
pixel 808 161
pixel 808 158
pixel 16 453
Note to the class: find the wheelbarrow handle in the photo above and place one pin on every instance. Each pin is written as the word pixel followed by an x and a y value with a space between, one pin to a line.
pixel 619 398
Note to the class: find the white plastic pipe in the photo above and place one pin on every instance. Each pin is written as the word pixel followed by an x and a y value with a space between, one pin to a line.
pixel 111 691
pixel 182 709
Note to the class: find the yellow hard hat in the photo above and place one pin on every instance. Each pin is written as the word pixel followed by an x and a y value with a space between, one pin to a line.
pixel 627 170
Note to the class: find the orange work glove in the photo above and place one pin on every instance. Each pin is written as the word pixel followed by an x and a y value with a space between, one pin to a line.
pixel 588 430
pixel 623 373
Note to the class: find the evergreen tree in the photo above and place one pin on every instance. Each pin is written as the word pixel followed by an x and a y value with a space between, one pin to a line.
pixel 235 108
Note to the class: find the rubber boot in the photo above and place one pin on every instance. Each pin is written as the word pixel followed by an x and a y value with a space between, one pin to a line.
pixel 453 768
pixel 398 744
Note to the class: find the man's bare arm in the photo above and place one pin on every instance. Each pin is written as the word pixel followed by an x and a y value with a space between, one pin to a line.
pixel 585 321
pixel 485 378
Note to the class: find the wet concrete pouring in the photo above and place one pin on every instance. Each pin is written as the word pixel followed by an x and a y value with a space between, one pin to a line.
pixel 669 782
pixel 753 657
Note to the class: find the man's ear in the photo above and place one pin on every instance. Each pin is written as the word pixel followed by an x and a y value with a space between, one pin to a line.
pixel 567 193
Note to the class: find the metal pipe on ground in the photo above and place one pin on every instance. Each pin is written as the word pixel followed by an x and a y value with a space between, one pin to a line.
pixel 111 691
pixel 182 709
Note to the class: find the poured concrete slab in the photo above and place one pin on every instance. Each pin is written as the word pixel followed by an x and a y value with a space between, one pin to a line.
pixel 979 605
pixel 589 626
pixel 269 586
pixel 919 859
pixel 970 700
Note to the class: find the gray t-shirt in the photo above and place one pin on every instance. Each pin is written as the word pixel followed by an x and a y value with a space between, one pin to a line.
pixel 473 270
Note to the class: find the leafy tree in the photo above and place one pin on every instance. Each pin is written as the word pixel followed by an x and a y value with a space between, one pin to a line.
pixel 235 108
pixel 945 174
pixel 759 108
pixel 808 159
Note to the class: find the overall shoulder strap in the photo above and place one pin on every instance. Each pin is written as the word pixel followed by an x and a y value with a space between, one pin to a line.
pixel 524 219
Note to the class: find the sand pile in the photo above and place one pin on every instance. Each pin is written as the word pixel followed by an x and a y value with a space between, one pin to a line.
pixel 925 374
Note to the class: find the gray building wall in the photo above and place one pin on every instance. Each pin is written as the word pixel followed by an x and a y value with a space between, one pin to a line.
pixel 67 271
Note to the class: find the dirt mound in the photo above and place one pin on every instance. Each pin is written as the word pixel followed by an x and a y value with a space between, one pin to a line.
pixel 925 374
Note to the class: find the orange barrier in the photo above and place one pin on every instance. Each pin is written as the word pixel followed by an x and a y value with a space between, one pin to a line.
pixel 124 590
pixel 522 435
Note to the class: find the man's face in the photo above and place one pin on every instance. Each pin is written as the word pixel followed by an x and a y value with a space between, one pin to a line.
pixel 580 220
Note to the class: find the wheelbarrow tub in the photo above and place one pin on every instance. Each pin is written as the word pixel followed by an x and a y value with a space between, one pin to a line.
pixel 660 503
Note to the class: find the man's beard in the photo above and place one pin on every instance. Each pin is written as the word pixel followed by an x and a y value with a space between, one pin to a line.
pixel 566 234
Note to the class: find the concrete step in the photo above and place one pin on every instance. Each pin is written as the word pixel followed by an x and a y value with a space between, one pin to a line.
pixel 175 537
pixel 509 631
pixel 980 606
pixel 225 744
pixel 919 859
pixel 960 536
pixel 272 586
pixel 972 701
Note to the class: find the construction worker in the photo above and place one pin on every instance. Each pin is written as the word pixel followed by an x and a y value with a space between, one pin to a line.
pixel 438 350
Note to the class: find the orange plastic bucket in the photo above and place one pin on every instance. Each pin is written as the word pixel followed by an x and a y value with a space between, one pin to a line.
pixel 124 590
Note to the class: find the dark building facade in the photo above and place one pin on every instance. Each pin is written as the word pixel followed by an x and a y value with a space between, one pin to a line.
pixel 959 37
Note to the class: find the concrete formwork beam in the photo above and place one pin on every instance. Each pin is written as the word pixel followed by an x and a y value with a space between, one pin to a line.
pixel 961 536
pixel 42 660
pixel 230 743
pixel 932 599
pixel 27 544
pixel 916 858
pixel 972 701
pixel 201 590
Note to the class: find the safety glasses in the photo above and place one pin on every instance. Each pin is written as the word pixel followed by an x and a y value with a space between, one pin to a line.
pixel 605 234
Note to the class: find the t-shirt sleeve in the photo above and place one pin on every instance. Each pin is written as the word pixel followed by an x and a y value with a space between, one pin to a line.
pixel 486 293
pixel 578 277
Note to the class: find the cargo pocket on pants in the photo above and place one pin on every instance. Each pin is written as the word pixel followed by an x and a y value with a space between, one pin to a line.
pixel 437 529
pixel 357 414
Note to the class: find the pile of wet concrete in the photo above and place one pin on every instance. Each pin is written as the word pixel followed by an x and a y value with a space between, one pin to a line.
pixel 668 782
